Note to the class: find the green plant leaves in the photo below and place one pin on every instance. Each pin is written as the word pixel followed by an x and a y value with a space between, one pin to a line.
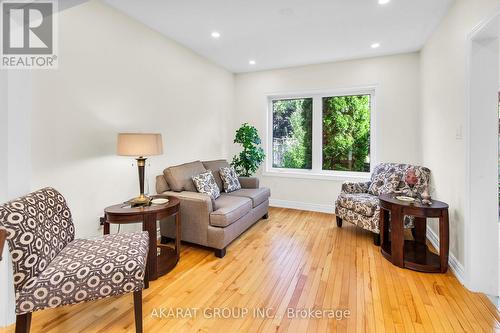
pixel 252 156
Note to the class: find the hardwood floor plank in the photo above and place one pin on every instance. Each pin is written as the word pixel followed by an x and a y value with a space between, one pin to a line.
pixel 293 260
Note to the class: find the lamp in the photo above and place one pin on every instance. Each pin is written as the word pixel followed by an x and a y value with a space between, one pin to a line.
pixel 140 144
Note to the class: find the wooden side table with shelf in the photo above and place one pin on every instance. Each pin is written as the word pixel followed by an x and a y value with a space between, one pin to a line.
pixel 413 254
pixel 159 262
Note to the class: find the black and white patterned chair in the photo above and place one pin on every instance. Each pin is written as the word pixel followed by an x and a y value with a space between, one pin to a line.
pixel 358 202
pixel 52 269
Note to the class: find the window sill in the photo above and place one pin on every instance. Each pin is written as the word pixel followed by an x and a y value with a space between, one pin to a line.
pixel 307 174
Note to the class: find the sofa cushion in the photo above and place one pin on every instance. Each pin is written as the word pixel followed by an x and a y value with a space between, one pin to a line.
pixel 161 184
pixel 179 177
pixel 229 179
pixel 205 183
pixel 257 195
pixel 362 203
pixel 215 166
pixel 228 209
pixel 248 182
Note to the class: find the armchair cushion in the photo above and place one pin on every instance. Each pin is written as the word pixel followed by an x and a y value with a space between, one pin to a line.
pixel 39 226
pixel 88 269
pixel 355 187
pixel 362 203
pixel 423 175
pixel 385 182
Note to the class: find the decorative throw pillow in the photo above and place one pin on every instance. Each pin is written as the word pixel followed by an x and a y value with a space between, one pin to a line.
pixel 384 183
pixel 205 183
pixel 229 179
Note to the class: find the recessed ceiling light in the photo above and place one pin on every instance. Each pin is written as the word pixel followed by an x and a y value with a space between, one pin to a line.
pixel 383 2
pixel 286 11
pixel 375 45
pixel 215 34
pixel 251 62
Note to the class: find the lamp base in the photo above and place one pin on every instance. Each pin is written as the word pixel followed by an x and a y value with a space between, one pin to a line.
pixel 140 201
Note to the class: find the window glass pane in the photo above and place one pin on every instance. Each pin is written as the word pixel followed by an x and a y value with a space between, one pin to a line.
pixel 292 133
pixel 346 133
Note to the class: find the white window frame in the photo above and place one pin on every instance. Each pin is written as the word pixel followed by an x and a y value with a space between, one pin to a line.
pixel 317 172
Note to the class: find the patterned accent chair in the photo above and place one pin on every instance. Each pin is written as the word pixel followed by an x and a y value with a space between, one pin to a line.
pixel 358 202
pixel 52 269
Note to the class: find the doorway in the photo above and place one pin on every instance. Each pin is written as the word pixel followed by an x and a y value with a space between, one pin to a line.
pixel 482 247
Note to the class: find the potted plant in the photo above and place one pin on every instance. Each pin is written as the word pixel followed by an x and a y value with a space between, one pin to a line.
pixel 252 156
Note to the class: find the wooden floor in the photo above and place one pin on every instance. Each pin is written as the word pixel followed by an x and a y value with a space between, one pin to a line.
pixel 294 260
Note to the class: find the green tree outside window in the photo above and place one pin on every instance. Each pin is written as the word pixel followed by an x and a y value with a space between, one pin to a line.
pixel 346 133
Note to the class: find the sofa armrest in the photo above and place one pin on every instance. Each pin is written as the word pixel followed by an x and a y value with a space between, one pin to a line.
pixel 200 200
pixel 249 182
pixel 355 187
pixel 195 209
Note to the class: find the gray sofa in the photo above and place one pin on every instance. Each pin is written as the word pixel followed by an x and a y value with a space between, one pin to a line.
pixel 207 222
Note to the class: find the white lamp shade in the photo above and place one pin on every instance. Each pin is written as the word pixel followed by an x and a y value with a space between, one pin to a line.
pixel 139 144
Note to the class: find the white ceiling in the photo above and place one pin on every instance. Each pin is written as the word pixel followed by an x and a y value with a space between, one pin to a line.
pixel 284 33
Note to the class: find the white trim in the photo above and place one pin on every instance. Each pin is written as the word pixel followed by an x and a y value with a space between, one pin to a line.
pixel 495 300
pixel 325 175
pixel 471 254
pixel 316 172
pixel 345 91
pixel 455 266
pixel 312 207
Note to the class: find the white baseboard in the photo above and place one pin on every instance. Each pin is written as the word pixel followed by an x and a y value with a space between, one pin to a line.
pixel 455 266
pixel 302 206
pixel 495 300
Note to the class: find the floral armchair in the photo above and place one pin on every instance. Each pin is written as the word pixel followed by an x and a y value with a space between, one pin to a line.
pixel 358 202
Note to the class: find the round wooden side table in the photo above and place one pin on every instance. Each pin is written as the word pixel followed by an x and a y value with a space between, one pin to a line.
pixel 158 263
pixel 413 254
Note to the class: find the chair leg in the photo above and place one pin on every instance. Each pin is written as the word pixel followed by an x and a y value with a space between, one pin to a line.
pixel 220 253
pixel 138 310
pixel 23 323
pixel 376 239
pixel 146 279
pixel 339 221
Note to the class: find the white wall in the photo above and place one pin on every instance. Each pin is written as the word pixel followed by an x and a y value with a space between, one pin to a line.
pixel 443 70
pixel 15 109
pixel 5 280
pixel 481 215
pixel 397 133
pixel 116 75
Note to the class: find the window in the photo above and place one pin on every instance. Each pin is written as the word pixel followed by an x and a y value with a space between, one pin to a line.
pixel 323 134
pixel 346 133
pixel 292 133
